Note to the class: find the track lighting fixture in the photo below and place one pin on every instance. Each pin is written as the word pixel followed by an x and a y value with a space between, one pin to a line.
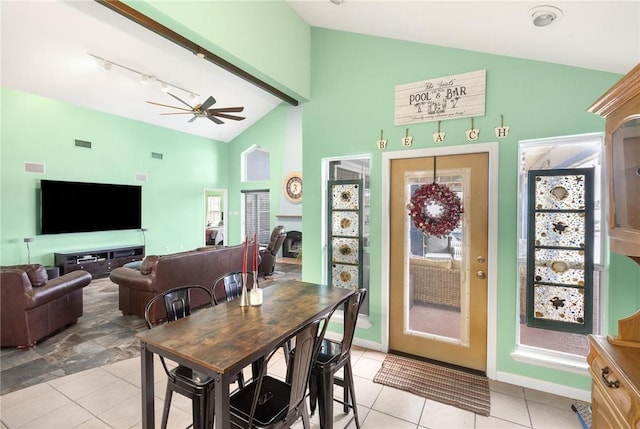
pixel 145 78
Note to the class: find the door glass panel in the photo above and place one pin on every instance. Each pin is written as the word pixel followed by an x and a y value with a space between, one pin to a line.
pixel 436 290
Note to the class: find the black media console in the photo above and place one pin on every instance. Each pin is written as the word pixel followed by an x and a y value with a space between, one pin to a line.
pixel 98 262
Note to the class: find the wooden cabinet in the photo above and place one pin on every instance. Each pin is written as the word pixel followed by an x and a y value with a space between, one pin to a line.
pixel 621 108
pixel 615 394
pixel 98 262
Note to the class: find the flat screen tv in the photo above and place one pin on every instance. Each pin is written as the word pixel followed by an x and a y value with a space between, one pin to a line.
pixel 67 207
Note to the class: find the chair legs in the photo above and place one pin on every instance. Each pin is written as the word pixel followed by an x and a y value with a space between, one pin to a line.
pixel 321 387
pixel 167 403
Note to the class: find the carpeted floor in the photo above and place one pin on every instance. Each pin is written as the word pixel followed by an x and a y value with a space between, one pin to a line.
pixel 101 336
pixel 449 386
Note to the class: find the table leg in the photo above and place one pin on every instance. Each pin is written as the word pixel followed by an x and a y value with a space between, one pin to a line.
pixel 146 360
pixel 221 393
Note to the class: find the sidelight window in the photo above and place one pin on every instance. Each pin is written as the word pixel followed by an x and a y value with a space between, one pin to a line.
pixel 560 248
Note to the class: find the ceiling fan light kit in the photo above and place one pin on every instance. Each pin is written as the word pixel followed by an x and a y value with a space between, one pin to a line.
pixel 543 16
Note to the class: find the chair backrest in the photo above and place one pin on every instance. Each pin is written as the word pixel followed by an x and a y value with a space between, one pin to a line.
pixel 278 244
pixel 177 304
pixel 275 234
pixel 351 310
pixel 307 340
pixel 229 286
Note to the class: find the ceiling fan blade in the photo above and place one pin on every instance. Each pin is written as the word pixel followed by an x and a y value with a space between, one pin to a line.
pixel 225 110
pixel 171 107
pixel 177 113
pixel 216 120
pixel 224 115
pixel 208 103
pixel 182 101
pixel 193 119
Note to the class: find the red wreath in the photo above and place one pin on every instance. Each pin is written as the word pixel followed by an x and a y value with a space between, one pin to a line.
pixel 446 221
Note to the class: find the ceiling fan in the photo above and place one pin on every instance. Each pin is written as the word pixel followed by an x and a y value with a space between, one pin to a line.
pixel 203 110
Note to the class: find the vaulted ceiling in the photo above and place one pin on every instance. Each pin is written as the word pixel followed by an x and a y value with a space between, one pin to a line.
pixel 45 50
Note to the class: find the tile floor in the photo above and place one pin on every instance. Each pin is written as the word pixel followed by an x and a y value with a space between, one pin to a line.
pixel 109 397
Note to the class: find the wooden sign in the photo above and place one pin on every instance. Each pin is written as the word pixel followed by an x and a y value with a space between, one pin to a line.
pixel 451 97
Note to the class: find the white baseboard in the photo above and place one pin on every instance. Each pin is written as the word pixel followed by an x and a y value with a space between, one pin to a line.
pixel 544 386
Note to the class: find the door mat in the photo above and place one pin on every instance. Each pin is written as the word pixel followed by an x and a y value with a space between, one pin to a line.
pixel 458 388
pixel 584 413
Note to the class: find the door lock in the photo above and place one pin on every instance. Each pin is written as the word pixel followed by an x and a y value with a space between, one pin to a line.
pixel 481 274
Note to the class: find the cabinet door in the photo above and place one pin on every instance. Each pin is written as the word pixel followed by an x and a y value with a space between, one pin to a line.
pixel 603 414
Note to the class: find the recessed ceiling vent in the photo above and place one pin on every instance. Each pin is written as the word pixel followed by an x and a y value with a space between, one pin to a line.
pixel 83 143
pixel 156 155
pixel 34 167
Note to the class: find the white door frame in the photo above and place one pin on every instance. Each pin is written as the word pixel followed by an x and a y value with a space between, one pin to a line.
pixel 492 284
pixel 225 210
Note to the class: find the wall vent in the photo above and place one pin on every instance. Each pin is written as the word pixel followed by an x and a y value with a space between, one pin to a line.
pixel 34 167
pixel 157 155
pixel 141 177
pixel 83 143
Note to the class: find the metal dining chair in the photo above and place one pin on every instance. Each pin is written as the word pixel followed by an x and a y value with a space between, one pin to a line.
pixel 269 402
pixel 228 286
pixel 192 384
pixel 333 356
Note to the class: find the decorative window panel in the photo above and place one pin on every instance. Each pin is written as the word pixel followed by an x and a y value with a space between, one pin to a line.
pixel 345 233
pixel 560 250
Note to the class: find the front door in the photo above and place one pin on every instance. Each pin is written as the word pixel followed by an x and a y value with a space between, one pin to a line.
pixel 438 284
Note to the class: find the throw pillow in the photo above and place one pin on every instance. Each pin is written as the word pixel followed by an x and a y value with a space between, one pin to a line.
pixel 37 275
pixel 148 263
pixel 437 244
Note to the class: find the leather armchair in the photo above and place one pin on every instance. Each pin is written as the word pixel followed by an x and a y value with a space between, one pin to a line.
pixel 34 306
pixel 268 255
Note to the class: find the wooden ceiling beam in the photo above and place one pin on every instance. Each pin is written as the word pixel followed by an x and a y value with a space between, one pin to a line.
pixel 152 25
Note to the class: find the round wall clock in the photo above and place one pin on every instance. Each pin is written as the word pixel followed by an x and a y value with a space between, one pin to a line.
pixel 293 187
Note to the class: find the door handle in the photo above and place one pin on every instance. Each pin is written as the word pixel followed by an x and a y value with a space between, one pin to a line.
pixel 481 275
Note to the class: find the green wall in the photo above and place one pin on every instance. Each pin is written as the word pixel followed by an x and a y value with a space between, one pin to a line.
pixel 353 78
pixel 353 85
pixel 270 134
pixel 264 38
pixel 173 196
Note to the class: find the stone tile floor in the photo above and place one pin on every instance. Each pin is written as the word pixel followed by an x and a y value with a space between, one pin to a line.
pixel 88 376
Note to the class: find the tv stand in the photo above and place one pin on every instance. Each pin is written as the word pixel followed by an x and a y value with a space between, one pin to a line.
pixel 98 262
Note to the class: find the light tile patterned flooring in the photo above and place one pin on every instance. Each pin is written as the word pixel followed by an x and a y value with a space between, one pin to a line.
pixel 109 397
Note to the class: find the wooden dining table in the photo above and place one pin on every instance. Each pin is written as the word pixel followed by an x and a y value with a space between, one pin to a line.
pixel 222 340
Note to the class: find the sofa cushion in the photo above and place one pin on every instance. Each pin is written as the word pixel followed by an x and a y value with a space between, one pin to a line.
pixel 148 263
pixel 37 275
pixel 437 244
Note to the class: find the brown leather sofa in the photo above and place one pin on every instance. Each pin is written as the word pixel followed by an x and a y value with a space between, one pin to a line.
pixel 34 306
pixel 157 274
